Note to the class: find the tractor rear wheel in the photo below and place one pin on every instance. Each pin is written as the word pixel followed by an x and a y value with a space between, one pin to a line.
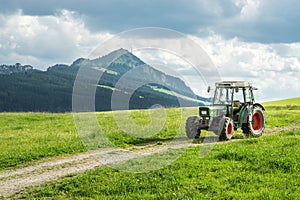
pixel 192 127
pixel 255 127
pixel 227 131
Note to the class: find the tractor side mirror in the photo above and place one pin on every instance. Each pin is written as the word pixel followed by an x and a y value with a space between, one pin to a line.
pixel 236 90
pixel 208 89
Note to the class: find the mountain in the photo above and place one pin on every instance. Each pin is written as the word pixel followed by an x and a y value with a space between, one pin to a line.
pixel 8 69
pixel 51 90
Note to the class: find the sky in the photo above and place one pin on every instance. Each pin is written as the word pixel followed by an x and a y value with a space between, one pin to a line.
pixel 251 40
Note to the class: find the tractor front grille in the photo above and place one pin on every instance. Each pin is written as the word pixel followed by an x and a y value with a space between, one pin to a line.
pixel 204 122
pixel 204 117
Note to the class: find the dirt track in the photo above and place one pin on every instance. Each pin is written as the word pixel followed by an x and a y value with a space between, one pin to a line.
pixel 15 181
pixel 18 180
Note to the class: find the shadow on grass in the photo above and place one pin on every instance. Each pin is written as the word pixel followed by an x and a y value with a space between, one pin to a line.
pixel 146 141
pixel 215 138
pixel 208 139
pixel 203 139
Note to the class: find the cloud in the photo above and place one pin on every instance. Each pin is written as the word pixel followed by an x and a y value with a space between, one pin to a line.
pixel 274 68
pixel 62 37
pixel 265 21
pixel 42 40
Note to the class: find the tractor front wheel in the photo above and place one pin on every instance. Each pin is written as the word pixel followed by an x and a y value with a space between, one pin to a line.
pixel 192 127
pixel 227 131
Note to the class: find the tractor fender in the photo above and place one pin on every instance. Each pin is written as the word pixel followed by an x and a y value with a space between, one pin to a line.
pixel 259 105
pixel 243 115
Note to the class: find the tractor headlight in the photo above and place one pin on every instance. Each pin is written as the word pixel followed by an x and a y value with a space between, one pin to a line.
pixel 203 112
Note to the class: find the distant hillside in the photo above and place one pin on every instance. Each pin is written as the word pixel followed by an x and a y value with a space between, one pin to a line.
pixel 284 102
pixel 8 69
pixel 51 90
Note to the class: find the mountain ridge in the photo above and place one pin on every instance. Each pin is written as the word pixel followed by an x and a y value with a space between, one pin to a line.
pixel 51 90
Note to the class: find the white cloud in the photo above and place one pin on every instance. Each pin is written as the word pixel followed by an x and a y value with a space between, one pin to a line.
pixel 248 8
pixel 45 40
pixel 273 68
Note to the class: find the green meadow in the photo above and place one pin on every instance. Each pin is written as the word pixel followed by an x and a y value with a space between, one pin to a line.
pixel 32 136
pixel 256 168
pixel 27 137
pixel 250 168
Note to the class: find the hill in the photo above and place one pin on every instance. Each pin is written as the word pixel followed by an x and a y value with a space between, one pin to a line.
pixel 284 102
pixel 51 90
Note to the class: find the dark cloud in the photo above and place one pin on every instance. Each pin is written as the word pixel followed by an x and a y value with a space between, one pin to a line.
pixel 274 21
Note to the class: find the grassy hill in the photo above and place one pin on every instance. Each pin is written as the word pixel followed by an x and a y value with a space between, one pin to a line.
pixel 289 103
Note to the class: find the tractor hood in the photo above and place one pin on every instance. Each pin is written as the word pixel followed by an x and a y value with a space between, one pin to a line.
pixel 212 111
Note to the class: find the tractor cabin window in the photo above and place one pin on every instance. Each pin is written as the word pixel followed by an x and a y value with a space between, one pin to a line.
pixel 248 95
pixel 223 96
pixel 238 95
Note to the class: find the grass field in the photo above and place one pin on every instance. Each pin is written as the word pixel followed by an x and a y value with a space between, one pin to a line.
pixel 252 168
pixel 282 112
pixel 31 136
pixel 260 168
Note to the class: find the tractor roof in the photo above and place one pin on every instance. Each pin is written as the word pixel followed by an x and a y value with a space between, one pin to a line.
pixel 233 84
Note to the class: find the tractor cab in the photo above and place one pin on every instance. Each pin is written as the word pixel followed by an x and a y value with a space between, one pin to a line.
pixel 234 96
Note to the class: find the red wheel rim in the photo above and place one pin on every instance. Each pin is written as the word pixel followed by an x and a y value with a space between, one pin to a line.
pixel 229 129
pixel 257 121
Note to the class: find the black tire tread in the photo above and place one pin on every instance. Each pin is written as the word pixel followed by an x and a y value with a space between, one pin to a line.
pixel 192 127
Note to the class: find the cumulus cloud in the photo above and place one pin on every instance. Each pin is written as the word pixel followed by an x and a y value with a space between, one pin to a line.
pixel 265 21
pixel 248 8
pixel 62 37
pixel 40 40
pixel 274 68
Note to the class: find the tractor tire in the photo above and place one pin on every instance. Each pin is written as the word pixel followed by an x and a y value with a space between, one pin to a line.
pixel 227 131
pixel 255 127
pixel 192 127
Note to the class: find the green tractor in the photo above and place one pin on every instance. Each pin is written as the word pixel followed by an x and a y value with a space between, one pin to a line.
pixel 233 107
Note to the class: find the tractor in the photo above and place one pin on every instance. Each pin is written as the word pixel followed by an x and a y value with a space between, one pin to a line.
pixel 232 107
